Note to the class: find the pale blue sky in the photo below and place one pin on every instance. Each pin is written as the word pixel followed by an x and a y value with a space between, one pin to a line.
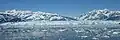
pixel 63 7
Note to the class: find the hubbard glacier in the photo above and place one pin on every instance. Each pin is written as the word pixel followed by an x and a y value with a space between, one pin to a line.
pixel 37 25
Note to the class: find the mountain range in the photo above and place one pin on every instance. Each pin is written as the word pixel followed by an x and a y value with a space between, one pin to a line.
pixel 19 15
pixel 26 15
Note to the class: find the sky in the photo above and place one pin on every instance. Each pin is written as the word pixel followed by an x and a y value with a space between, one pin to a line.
pixel 62 7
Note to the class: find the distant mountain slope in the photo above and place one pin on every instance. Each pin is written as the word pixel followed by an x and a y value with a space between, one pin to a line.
pixel 18 15
pixel 102 15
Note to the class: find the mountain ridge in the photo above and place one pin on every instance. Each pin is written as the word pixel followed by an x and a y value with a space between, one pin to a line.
pixel 34 16
pixel 26 15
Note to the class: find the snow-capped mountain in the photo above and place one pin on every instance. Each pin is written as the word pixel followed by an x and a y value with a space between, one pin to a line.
pixel 102 15
pixel 32 16
pixel 26 15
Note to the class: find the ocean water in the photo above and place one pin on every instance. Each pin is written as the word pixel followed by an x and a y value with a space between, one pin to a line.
pixel 55 32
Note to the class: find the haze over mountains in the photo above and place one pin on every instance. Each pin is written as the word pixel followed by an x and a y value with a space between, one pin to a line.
pixel 19 15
